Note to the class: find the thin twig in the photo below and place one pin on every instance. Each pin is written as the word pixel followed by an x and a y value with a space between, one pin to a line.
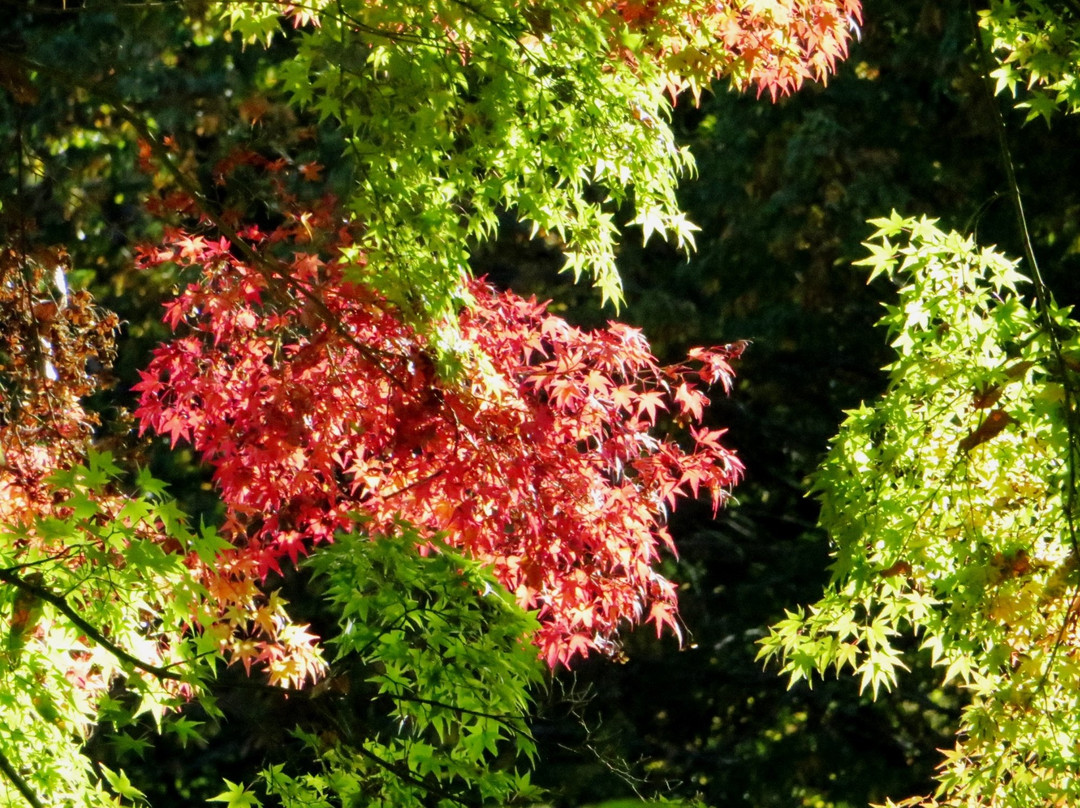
pixel 408 776
pixel 508 721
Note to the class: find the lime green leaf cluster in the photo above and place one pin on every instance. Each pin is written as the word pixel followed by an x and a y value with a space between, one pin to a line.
pixel 1037 48
pixel 114 623
pixel 445 648
pixel 951 508
pixel 108 636
pixel 455 113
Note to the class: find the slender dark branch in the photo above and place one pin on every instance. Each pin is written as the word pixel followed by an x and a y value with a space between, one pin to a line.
pixel 438 472
pixel 985 68
pixel 47 560
pixel 18 782
pixel 1043 303
pixel 509 721
pixel 408 776
pixel 1043 299
pixel 392 36
pixel 8 576
pixel 506 720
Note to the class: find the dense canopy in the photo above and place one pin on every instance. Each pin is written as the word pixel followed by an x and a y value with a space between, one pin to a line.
pixel 368 371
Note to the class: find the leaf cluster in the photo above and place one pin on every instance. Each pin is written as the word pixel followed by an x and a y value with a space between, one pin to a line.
pixel 454 113
pixel 445 649
pixel 1036 48
pixel 313 400
pixel 950 506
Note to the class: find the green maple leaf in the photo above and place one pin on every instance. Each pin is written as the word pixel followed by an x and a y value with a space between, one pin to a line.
pixel 236 795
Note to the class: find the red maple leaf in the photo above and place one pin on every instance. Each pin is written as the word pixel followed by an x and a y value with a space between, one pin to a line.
pixel 541 465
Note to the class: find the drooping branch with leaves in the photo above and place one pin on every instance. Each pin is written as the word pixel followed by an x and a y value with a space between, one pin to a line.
pixel 949 504
pixel 952 501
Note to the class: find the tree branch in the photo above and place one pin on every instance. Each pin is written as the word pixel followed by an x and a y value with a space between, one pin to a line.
pixel 1043 303
pixel 8 576
pixel 506 720
pixel 407 775
pixel 18 782
pixel 275 272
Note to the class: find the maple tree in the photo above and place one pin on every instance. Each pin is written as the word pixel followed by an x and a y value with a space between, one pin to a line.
pixel 460 478
pixel 784 195
pixel 315 402
pixel 973 545
pixel 951 501
pixel 443 442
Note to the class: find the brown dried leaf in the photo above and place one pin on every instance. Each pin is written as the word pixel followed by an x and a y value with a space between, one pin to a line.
pixel 994 424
